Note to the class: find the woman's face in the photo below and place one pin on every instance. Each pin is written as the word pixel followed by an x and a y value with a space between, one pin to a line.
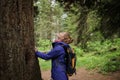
pixel 60 36
pixel 56 39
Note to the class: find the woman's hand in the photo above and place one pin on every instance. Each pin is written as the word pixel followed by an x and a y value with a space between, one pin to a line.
pixel 36 49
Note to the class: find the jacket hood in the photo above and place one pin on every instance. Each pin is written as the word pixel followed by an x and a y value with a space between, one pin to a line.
pixel 59 43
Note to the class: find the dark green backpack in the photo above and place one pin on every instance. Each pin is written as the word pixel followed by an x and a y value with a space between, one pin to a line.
pixel 70 61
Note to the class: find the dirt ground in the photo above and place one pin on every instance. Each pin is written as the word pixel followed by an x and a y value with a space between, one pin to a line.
pixel 83 74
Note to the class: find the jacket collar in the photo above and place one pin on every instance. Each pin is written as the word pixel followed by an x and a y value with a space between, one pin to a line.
pixel 59 43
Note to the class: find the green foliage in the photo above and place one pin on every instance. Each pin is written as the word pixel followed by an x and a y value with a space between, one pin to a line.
pixel 69 24
pixel 79 52
pixel 105 63
pixel 93 20
pixel 48 21
pixel 112 63
pixel 44 65
pixel 102 46
pixel 98 53
pixel 98 46
pixel 90 61
pixel 104 56
pixel 44 45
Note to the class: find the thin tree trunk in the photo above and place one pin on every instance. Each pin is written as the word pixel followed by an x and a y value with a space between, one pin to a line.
pixel 17 56
pixel 82 27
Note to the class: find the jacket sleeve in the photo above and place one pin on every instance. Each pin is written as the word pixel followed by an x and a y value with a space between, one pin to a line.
pixel 51 54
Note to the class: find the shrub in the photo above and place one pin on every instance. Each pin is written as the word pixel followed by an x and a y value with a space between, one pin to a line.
pixel 79 52
pixel 44 45
pixel 112 63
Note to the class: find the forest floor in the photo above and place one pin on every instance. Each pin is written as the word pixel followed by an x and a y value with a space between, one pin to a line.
pixel 83 74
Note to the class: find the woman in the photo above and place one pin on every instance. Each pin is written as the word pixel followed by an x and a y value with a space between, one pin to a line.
pixel 57 55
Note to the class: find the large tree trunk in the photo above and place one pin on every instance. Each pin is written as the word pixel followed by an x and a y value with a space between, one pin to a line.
pixel 17 56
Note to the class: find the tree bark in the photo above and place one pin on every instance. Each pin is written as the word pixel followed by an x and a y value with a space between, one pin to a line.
pixel 82 28
pixel 17 56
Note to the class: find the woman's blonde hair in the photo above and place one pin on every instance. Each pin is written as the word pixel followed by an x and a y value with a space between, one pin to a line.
pixel 65 37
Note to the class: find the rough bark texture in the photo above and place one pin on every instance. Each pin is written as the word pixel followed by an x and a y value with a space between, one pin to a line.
pixel 17 58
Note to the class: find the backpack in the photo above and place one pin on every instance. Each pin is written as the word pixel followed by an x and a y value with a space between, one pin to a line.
pixel 70 61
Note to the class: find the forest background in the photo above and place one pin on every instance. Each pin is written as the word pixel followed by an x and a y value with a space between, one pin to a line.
pixel 24 24
pixel 94 26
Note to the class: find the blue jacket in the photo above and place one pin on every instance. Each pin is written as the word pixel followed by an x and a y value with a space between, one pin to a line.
pixel 57 54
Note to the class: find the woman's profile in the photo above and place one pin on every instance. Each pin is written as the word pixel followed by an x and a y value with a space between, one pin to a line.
pixel 57 55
